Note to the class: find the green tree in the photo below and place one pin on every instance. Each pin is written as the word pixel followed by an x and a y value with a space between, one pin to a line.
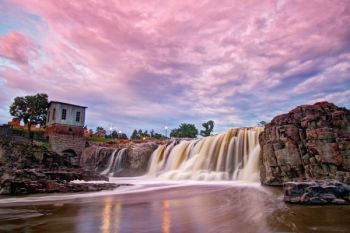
pixel 32 109
pixel 135 135
pixel 185 131
pixel 119 135
pixel 99 128
pixel 208 128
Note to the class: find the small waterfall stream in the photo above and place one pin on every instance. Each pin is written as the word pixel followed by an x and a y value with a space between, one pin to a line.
pixel 233 155
pixel 110 163
pixel 115 162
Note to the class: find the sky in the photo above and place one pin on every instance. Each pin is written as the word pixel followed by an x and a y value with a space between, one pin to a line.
pixel 147 64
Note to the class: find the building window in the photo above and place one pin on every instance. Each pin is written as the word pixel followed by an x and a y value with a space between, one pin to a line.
pixel 64 114
pixel 48 116
pixel 53 114
pixel 77 117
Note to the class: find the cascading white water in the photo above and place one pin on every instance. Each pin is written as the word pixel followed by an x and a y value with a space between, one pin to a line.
pixel 233 155
pixel 110 163
pixel 119 161
pixel 115 162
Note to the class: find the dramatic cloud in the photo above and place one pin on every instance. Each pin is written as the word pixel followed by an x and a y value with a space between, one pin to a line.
pixel 146 64
pixel 16 47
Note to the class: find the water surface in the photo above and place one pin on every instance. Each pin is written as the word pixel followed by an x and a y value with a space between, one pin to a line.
pixel 155 206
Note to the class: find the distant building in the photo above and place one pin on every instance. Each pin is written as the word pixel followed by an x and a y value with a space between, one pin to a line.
pixel 65 129
pixel 15 123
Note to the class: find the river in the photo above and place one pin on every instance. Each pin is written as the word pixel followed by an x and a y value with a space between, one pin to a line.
pixel 153 205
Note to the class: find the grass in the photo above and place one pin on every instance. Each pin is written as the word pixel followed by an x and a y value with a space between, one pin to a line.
pixel 97 139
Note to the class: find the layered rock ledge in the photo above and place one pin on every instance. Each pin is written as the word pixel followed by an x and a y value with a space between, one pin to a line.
pixel 311 142
pixel 29 169
pixel 317 192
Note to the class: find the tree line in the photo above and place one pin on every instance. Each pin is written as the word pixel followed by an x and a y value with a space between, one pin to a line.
pixel 33 109
pixel 140 134
pixel 186 130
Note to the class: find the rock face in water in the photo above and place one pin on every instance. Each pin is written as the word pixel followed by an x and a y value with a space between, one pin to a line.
pixel 96 157
pixel 310 142
pixel 26 169
pixel 324 192
pixel 139 155
pixel 106 160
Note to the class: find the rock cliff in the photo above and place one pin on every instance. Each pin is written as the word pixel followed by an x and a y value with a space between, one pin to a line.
pixel 27 169
pixel 310 142
pixel 135 163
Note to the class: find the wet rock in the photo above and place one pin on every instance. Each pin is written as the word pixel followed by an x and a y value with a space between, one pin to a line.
pixel 135 161
pixel 317 192
pixel 140 154
pixel 27 169
pixel 310 142
pixel 13 187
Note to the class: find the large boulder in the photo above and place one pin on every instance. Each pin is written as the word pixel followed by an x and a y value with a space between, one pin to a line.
pixel 139 155
pixel 310 142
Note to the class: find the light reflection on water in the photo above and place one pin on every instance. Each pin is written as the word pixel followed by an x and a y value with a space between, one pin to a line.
pixel 179 209
pixel 111 216
pixel 106 216
pixel 166 216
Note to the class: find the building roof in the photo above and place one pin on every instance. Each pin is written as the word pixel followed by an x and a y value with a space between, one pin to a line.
pixel 58 102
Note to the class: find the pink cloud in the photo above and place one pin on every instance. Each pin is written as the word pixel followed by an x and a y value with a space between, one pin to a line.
pixel 219 59
pixel 16 47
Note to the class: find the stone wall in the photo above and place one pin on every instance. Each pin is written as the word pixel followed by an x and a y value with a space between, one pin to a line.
pixel 310 142
pixel 63 142
pixel 5 131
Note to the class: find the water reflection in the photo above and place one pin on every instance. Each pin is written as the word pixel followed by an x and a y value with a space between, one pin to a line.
pixel 117 213
pixel 166 223
pixel 185 209
pixel 110 219
pixel 106 216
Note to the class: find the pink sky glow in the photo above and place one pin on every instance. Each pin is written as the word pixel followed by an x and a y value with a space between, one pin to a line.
pixel 146 64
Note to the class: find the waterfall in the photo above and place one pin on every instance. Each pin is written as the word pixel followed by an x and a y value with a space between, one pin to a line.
pixel 119 161
pixel 233 155
pixel 110 163
pixel 115 162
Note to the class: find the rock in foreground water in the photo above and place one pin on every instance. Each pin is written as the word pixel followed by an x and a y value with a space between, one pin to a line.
pixel 317 192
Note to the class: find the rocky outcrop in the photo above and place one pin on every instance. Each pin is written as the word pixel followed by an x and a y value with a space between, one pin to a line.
pixel 27 186
pixel 27 169
pixel 139 155
pixel 319 192
pixel 96 157
pixel 310 142
pixel 135 159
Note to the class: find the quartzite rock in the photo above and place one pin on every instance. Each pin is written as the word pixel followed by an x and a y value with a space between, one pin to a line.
pixel 135 163
pixel 317 192
pixel 309 142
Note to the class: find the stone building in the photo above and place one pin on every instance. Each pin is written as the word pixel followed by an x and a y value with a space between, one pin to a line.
pixel 65 129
